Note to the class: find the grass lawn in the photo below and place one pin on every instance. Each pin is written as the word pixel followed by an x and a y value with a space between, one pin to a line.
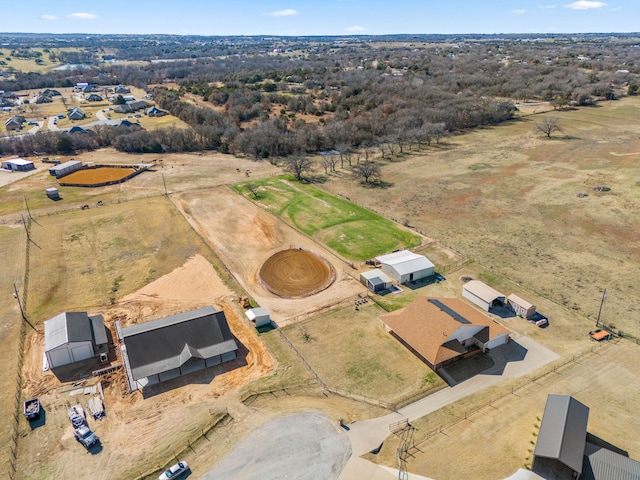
pixel 351 351
pixel 84 258
pixel 350 230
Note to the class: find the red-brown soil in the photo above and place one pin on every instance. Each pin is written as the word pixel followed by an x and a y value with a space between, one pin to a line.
pixel 296 273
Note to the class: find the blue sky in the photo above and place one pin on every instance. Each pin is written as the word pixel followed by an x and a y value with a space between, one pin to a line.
pixel 325 17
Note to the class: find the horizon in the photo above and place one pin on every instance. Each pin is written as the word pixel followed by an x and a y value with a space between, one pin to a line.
pixel 315 18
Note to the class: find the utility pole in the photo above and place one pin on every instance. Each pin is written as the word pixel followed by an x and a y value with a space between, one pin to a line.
pixel 604 297
pixel 17 297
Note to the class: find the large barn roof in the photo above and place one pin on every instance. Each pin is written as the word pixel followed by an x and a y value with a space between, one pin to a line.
pixel 563 431
pixel 19 161
pixel 167 343
pixel 405 262
pixel 604 464
pixel 426 325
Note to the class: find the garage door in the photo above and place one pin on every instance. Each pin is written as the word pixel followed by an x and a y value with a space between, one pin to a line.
pixel 59 357
pixel 81 353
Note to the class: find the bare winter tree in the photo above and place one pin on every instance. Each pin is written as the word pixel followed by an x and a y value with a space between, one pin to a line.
pixel 548 125
pixel 367 170
pixel 298 165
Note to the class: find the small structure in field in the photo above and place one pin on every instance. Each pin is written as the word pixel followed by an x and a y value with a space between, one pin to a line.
pixel 53 193
pixel 482 295
pixel 167 348
pixel 259 315
pixel 520 306
pixel 72 337
pixel 440 331
pixel 405 266
pixel 18 165
pixel 375 280
pixel 65 168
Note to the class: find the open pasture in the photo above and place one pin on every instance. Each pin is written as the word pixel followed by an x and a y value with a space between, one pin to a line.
pixel 350 230
pixel 351 351
pixel 508 198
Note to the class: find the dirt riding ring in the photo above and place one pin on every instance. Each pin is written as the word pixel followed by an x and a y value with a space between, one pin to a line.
pixel 296 273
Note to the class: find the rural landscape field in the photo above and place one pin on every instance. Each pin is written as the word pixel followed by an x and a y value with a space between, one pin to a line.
pixel 282 204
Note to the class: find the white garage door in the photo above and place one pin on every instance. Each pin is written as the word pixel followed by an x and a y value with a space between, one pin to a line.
pixel 59 357
pixel 81 353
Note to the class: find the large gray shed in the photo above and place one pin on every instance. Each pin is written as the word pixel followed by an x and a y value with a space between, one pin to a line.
pixel 65 168
pixel 405 266
pixel 72 337
pixel 482 294
pixel 167 348
pixel 375 280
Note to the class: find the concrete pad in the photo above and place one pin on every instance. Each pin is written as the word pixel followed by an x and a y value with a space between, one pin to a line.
pixel 306 446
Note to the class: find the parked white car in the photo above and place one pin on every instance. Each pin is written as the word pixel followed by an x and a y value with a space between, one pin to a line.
pixel 174 471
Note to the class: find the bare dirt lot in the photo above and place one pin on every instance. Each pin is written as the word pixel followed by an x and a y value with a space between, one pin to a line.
pixel 168 414
pixel 249 237
pixel 97 175
pixel 296 273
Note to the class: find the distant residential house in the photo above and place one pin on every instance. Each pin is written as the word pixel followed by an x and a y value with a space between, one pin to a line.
pixel 89 89
pixel 5 102
pixel 14 123
pixel 126 124
pixel 77 129
pixel 156 112
pixel 42 99
pixel 75 114
pixel 94 97
pixel 122 109
pixel 129 98
pixel 51 93
pixel 121 89
pixel 139 105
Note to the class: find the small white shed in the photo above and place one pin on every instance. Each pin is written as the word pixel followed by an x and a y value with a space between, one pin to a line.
pixel 53 193
pixel 520 306
pixel 375 280
pixel 259 315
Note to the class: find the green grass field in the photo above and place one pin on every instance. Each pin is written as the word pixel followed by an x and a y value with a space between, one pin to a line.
pixel 350 230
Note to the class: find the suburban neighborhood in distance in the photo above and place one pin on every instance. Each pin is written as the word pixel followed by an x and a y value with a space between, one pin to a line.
pixel 343 256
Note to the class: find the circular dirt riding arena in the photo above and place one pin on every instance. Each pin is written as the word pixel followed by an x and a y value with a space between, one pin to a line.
pixel 296 273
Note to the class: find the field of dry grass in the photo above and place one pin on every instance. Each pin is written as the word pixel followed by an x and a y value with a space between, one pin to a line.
pixel 507 198
pixel 351 351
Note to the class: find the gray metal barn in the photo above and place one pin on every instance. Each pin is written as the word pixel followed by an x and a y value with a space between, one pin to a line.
pixel 72 337
pixel 167 348
pixel 65 168
pixel 18 165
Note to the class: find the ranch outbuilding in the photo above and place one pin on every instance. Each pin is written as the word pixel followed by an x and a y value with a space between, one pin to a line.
pixel 260 316
pixel 405 266
pixel 375 280
pixel 520 306
pixel 72 337
pixel 440 331
pixel 170 347
pixel 482 295
pixel 65 168
pixel 18 165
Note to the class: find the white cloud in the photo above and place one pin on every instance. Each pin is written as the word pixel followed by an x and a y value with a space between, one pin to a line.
pixel 48 17
pixel 585 5
pixel 287 12
pixel 83 16
pixel 519 11
pixel 547 6
pixel 355 28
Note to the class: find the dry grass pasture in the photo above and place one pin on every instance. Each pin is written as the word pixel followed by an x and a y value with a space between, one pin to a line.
pixel 498 439
pixel 351 351
pixel 507 198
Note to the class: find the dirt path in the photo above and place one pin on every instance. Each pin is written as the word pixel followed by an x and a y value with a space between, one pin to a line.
pixel 244 236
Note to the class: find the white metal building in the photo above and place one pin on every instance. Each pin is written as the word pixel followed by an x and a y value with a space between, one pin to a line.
pixel 520 306
pixel 18 165
pixel 405 266
pixel 259 315
pixel 482 294
pixel 72 337
pixel 65 168
pixel 375 280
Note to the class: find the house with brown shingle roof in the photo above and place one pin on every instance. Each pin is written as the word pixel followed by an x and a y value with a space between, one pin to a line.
pixel 442 330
